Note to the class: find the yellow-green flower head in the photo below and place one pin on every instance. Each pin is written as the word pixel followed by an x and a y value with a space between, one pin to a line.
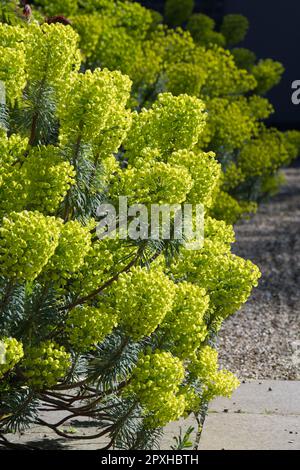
pixel 88 326
pixel 38 182
pixel 73 246
pixel 94 102
pixel 142 299
pixel 45 365
pixel 214 382
pixel 153 183
pixel 222 112
pixel 11 150
pixel 12 61
pixel 202 28
pixel 205 172
pixel 11 352
pixel 89 27
pixel 156 382
pixel 28 240
pixel 47 178
pixel 52 55
pixel 234 28
pixel 220 62
pixel 173 123
pixel 11 36
pixel 267 73
pixel 227 278
pixel 184 78
pixel 12 72
pixel 230 210
pixel 265 154
pixel 184 325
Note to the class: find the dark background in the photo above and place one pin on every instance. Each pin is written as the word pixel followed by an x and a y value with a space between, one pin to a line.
pixel 274 33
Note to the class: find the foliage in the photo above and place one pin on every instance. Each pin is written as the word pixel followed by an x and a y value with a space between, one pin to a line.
pixel 234 28
pixel 177 12
pixel 110 329
pixel 124 36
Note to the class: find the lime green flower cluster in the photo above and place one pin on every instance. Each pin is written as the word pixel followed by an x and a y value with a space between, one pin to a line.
pixel 268 74
pixel 205 172
pixel 184 325
pixel 244 58
pixel 73 246
pixel 183 78
pixel 220 62
pixel 47 178
pixel 12 72
pixel 44 365
pixel 144 295
pixel 178 11
pixel 186 177
pixel 38 182
pixel 218 233
pixel 51 55
pixel 226 278
pixel 28 240
pixel 95 102
pixel 228 208
pixel 12 65
pixel 234 28
pixel 156 382
pixel 11 151
pixel 183 116
pixel 154 183
pixel 214 382
pixel 11 352
pixel 264 154
pixel 222 112
pixel 89 28
pixel 88 326
pixel 202 28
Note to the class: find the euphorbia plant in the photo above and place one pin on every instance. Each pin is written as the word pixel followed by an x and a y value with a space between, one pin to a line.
pixel 201 62
pixel 122 331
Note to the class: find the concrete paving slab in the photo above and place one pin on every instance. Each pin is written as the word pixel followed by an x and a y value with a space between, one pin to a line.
pixel 251 432
pixel 267 396
pixel 262 415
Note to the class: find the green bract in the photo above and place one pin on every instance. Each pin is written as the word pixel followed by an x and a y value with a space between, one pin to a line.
pixel 45 364
pixel 11 352
pixel 142 300
pixel 88 326
pixel 28 240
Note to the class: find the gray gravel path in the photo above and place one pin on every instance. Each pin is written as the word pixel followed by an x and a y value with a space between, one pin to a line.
pixel 262 341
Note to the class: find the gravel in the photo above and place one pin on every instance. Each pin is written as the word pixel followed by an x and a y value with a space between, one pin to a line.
pixel 262 341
